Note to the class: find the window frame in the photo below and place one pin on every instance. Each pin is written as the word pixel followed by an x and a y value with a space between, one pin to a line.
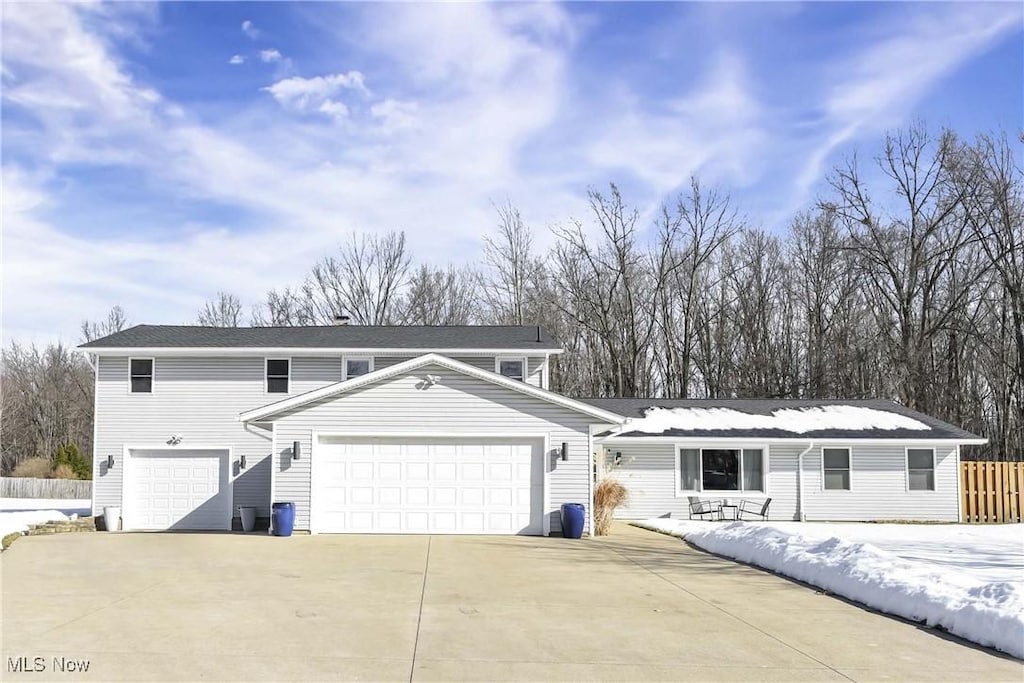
pixel 498 360
pixel 849 466
pixel 152 375
pixel 728 446
pixel 344 366
pixel 906 468
pixel 266 375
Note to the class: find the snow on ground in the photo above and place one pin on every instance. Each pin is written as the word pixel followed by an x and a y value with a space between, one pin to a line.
pixel 895 568
pixel 795 420
pixel 78 506
pixel 19 521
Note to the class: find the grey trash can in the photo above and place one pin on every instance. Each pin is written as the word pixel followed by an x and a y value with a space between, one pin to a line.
pixel 248 515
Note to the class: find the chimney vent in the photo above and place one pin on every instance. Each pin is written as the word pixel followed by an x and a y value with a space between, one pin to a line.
pixel 538 333
pixel 341 320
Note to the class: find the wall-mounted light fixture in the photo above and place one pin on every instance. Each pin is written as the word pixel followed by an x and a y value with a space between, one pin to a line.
pixel 110 462
pixel 565 451
pixel 618 457
pixel 241 462
pixel 296 450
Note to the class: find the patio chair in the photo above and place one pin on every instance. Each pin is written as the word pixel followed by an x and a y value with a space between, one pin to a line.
pixel 699 508
pixel 751 507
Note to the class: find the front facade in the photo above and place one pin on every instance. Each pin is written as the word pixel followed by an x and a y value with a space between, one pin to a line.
pixel 439 430
pixel 454 430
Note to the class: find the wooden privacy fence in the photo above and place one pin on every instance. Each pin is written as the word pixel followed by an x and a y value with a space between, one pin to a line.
pixel 992 491
pixel 25 487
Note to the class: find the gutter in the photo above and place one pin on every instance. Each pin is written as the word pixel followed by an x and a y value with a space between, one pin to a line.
pixel 800 481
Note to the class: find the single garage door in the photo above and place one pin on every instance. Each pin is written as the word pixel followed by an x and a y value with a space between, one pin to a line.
pixel 458 486
pixel 176 489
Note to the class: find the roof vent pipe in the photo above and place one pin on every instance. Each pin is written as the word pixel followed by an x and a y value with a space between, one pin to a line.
pixel 538 334
pixel 341 319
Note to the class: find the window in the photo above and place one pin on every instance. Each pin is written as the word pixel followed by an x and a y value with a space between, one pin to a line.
pixel 354 367
pixel 277 375
pixel 921 469
pixel 141 371
pixel 513 368
pixel 721 469
pixel 836 469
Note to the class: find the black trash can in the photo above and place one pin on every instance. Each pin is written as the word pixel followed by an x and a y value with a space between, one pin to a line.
pixel 573 519
pixel 282 517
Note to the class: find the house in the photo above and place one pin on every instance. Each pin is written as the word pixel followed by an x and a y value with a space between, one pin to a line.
pixel 454 430
pixel 833 460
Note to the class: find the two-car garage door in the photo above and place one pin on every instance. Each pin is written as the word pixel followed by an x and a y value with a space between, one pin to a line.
pixel 455 486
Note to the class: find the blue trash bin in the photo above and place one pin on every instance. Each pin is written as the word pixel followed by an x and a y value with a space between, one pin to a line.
pixel 282 516
pixel 573 518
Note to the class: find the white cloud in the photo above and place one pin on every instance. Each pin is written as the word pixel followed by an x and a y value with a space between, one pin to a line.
pixel 236 59
pixel 395 115
pixel 316 94
pixel 270 55
pixel 249 29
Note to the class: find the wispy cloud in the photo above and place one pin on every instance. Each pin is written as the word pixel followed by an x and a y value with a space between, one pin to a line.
pixel 270 55
pixel 236 59
pixel 249 29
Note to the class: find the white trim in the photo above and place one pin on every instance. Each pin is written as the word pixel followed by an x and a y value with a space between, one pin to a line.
pixel 275 463
pixel 522 359
pixel 959 503
pixel 227 460
pixel 316 436
pixel 430 359
pixel 849 467
pixel 345 358
pixel 800 511
pixel 95 443
pixel 152 375
pixel 792 440
pixel 266 375
pixel 305 350
pixel 738 493
pixel 592 467
pixel 935 470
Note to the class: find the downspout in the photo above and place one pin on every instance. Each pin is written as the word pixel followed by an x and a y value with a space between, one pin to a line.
pixel 801 514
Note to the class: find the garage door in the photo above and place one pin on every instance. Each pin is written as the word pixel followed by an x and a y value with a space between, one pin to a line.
pixel 439 487
pixel 177 489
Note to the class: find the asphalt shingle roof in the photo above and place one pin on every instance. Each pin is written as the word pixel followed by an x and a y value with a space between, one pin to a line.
pixel 635 407
pixel 330 337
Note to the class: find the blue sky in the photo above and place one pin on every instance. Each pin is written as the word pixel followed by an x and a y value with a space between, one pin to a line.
pixel 154 154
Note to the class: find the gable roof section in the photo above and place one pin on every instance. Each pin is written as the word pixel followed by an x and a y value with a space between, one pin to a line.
pixel 340 337
pixel 635 408
pixel 261 414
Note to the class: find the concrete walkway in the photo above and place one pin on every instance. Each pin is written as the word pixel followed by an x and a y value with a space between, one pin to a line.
pixel 633 606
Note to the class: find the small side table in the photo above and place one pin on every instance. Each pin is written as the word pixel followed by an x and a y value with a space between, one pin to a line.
pixel 728 511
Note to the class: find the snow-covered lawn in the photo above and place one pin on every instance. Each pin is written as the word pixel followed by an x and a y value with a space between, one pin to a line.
pixel 17 513
pixel 79 506
pixel 966 579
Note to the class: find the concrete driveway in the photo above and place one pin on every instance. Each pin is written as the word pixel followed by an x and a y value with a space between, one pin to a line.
pixel 633 606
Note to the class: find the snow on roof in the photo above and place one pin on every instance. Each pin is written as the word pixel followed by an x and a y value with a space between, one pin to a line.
pixel 795 420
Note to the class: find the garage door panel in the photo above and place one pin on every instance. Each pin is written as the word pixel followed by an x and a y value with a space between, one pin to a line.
pixel 433 487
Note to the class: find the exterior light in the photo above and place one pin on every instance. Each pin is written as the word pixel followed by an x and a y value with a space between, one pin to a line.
pixel 565 450
pixel 296 450
pixel 241 462
pixel 110 462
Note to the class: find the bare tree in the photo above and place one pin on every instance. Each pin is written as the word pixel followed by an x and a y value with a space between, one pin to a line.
pixel 440 297
pixel 512 269
pixel 115 321
pixel 364 281
pixel 224 311
pixel 286 308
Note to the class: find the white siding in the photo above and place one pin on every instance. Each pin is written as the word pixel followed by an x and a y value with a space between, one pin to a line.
pixel 199 398
pixel 534 364
pixel 458 406
pixel 879 488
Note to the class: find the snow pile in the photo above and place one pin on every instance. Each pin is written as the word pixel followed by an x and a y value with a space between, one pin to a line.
pixel 990 613
pixel 795 420
pixel 11 522
pixel 79 506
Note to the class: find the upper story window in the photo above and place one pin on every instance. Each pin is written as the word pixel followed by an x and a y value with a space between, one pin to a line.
pixel 513 368
pixel 141 375
pixel 356 366
pixel 921 469
pixel 278 370
pixel 835 469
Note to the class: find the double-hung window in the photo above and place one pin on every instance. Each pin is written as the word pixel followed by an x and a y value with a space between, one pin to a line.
pixel 356 366
pixel 921 469
pixel 835 469
pixel 513 368
pixel 721 469
pixel 278 375
pixel 141 375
